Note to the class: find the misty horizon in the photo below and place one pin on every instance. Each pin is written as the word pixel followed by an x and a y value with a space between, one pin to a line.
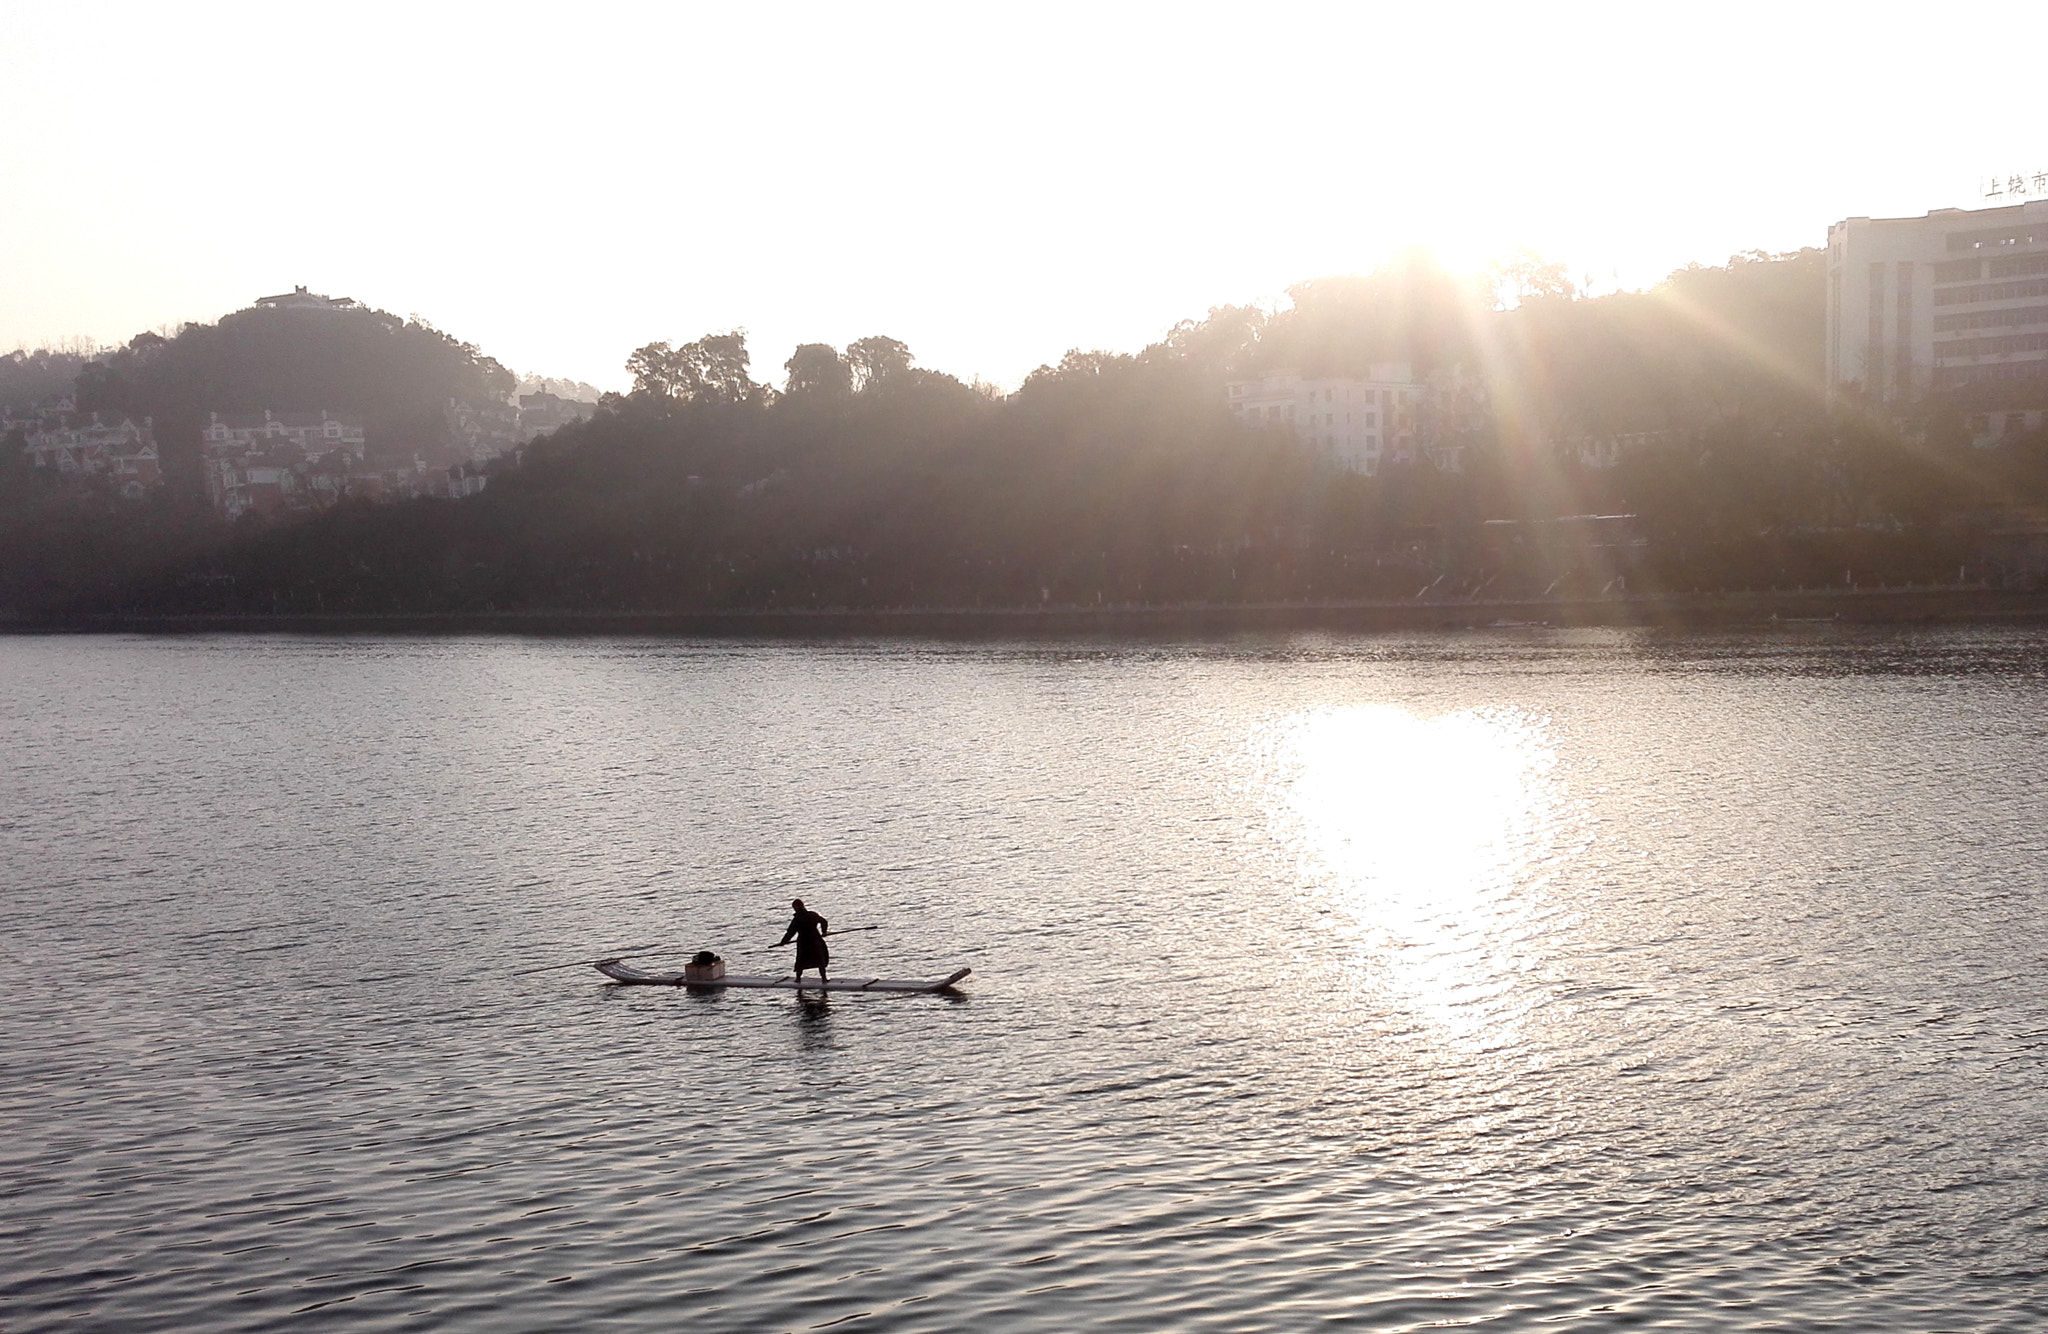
pixel 1496 277
pixel 993 188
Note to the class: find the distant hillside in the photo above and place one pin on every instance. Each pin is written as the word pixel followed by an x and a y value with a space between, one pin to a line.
pixel 397 375
pixel 574 390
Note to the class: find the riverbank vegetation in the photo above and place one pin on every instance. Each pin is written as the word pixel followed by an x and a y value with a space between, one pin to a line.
pixel 1665 441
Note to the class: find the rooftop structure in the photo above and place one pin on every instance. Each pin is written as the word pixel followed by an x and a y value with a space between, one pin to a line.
pixel 300 299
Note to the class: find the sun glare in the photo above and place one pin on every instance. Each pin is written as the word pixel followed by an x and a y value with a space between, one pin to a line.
pixel 1430 840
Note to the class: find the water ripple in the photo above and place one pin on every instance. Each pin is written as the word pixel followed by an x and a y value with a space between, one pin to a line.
pixel 1576 979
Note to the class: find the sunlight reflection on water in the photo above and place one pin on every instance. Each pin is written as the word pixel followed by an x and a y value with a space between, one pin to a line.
pixel 1431 839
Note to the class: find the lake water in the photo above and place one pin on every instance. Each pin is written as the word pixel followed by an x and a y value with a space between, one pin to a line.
pixel 1533 980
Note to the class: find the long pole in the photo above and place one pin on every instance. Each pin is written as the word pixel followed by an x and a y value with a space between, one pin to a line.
pixel 780 945
pixel 629 952
pixel 632 951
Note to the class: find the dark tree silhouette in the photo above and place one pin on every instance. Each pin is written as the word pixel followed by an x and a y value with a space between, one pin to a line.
pixel 817 369
pixel 876 359
pixel 711 370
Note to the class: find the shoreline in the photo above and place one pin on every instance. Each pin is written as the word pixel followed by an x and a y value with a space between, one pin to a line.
pixel 1752 610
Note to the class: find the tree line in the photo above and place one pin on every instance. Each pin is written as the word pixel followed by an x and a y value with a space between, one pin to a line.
pixel 864 480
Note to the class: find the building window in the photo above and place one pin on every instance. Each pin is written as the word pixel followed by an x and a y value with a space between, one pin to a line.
pixel 1992 347
pixel 1961 296
pixel 1991 319
pixel 2016 266
pixel 1995 238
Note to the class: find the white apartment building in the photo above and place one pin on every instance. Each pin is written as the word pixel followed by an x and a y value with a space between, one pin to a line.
pixel 1930 305
pixel 1356 423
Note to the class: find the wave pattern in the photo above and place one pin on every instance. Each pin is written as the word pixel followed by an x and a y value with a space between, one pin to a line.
pixel 1569 979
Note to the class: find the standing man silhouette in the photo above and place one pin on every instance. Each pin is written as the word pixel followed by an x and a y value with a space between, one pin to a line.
pixel 808 930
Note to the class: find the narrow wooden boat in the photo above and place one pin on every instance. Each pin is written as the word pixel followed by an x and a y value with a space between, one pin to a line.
pixel 630 976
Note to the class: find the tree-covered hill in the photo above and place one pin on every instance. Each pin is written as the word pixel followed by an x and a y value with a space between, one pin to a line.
pixel 1107 478
pixel 395 374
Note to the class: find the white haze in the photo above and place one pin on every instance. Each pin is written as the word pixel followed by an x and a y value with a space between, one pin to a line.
pixel 992 184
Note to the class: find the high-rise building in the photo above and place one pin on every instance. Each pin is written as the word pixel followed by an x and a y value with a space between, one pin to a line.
pixel 1943 303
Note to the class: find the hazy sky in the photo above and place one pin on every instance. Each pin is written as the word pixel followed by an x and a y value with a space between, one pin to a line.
pixel 992 183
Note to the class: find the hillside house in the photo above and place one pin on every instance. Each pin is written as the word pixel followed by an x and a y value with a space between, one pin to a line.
pixel 543 412
pixel 307 433
pixel 79 445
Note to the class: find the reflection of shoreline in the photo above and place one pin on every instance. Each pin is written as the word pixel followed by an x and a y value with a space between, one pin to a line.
pixel 1941 606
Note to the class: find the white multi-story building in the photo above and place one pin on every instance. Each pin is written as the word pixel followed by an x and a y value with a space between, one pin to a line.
pixel 279 460
pixel 1356 423
pixel 1920 306
pixel 309 433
